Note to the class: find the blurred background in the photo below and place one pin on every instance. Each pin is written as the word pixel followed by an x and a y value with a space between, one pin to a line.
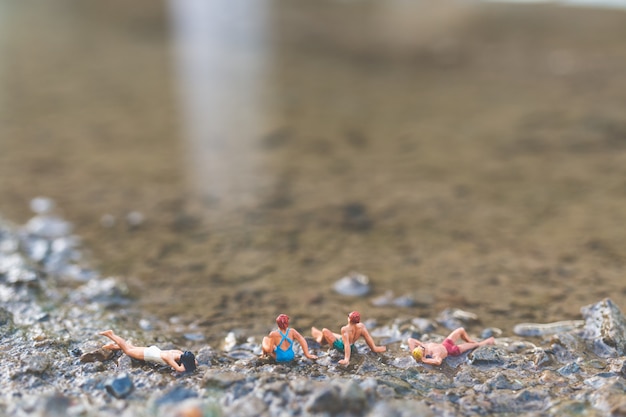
pixel 232 159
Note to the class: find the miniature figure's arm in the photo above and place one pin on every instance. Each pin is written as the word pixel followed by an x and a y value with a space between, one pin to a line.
pixel 171 362
pixel 413 343
pixel 347 349
pixel 303 343
pixel 370 341
pixel 432 361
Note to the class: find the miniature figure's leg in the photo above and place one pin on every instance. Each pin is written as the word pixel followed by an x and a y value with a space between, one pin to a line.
pixel 464 347
pixel 268 347
pixel 126 347
pixel 329 336
pixel 112 346
pixel 318 335
pixel 324 335
pixel 460 333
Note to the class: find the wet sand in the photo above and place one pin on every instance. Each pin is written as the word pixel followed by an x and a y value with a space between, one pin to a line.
pixel 472 157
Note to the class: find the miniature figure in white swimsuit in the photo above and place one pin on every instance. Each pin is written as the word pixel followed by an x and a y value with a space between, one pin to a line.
pixel 179 360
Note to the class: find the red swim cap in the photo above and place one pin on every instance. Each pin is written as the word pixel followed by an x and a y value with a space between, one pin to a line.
pixel 282 321
pixel 354 317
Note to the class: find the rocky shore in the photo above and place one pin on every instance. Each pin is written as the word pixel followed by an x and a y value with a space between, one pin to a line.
pixel 53 304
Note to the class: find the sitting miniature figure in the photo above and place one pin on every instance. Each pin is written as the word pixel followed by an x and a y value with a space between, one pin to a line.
pixel 349 334
pixel 279 344
pixel 435 353
pixel 180 361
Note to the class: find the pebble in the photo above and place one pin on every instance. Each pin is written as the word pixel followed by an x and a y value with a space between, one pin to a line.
pixel 488 355
pixel 404 301
pixel 135 219
pixel 99 355
pixel 453 318
pixel 538 329
pixel 604 328
pixel 42 205
pixel 119 386
pixel 353 285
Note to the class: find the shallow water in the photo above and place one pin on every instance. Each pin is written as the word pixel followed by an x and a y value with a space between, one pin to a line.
pixel 472 156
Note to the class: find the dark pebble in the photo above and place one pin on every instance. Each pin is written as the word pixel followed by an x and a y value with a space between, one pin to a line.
pixel 487 355
pixel 120 386
pixel 569 369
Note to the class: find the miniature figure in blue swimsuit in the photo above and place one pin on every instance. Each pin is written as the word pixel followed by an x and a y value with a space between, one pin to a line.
pixel 284 355
pixel 279 344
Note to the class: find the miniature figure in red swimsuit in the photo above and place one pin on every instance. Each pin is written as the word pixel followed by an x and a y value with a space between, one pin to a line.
pixel 435 353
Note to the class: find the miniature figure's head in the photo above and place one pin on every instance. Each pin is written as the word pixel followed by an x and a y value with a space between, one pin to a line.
pixel 354 317
pixel 418 352
pixel 282 321
pixel 188 360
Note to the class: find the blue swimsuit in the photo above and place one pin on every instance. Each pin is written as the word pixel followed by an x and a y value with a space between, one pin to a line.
pixel 287 354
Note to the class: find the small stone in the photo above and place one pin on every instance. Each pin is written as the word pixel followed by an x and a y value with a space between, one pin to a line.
pixel 41 205
pixel 500 381
pixel 541 358
pixel 424 325
pixel 605 328
pixel 453 318
pixel 383 300
pixel 553 379
pixel 543 329
pixel 135 219
pixel 145 324
pixel 205 355
pixel 354 285
pixel 120 386
pixel 490 332
pixel 48 226
pixel 99 355
pixel 488 355
pixel 196 337
pixel 405 301
pixel 569 369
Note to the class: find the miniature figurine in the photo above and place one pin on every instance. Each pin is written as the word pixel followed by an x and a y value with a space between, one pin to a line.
pixel 180 361
pixel 435 353
pixel 349 334
pixel 279 344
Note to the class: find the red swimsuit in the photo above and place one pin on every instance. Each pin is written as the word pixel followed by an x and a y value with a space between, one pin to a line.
pixel 451 347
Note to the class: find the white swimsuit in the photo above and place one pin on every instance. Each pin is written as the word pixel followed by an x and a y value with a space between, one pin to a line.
pixel 153 354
